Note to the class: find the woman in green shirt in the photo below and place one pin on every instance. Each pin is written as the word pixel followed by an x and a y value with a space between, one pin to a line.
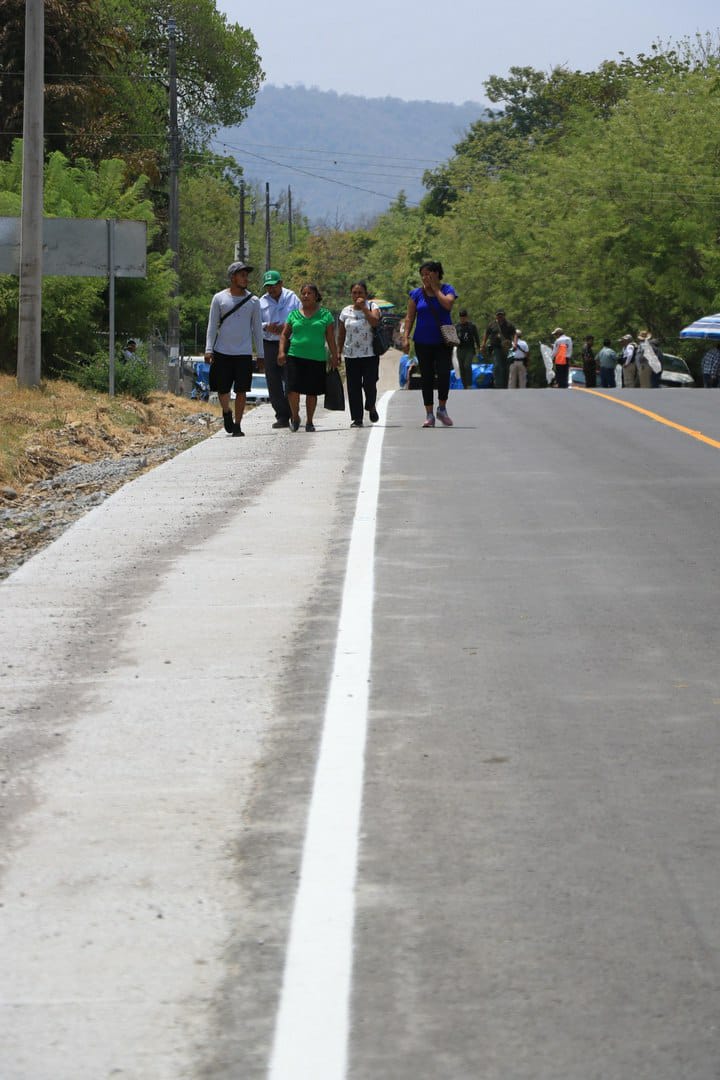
pixel 302 346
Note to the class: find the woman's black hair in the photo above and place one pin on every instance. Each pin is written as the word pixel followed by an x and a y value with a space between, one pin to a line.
pixel 434 267
pixel 362 284
pixel 313 286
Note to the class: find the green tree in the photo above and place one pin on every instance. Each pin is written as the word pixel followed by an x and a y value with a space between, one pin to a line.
pixel 209 228
pixel 612 226
pixel 106 65
pixel 83 50
pixel 75 309
pixel 333 259
pixel 218 66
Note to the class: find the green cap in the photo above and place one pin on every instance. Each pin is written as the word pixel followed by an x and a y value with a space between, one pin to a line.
pixel 272 277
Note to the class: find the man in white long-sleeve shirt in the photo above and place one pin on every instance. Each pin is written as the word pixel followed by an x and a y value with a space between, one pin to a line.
pixel 234 325
pixel 275 306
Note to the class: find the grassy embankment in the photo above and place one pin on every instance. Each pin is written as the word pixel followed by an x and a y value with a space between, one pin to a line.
pixel 44 431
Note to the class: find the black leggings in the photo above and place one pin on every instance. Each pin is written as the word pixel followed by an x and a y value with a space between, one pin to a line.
pixel 434 360
pixel 361 373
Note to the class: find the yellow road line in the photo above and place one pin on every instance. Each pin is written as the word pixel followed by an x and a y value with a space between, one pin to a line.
pixel 654 416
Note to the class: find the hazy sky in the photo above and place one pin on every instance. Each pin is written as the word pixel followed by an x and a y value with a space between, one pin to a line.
pixel 443 52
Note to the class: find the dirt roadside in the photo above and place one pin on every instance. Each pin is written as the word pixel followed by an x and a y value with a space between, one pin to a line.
pixel 75 450
pixel 64 451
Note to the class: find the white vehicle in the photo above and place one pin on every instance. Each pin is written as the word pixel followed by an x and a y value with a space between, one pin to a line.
pixel 675 372
pixel 258 392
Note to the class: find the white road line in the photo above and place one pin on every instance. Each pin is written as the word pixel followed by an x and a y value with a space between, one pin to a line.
pixel 312 1026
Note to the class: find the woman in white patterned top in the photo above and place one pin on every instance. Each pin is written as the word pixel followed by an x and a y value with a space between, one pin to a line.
pixel 357 322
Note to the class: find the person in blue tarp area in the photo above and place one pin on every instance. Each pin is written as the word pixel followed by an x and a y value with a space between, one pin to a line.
pixel 588 362
pixel 495 347
pixel 467 349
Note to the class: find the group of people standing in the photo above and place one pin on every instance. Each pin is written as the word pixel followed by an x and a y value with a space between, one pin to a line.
pixel 640 362
pixel 293 336
pixel 502 345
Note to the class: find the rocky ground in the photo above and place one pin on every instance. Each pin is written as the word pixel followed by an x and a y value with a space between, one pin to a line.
pixel 34 514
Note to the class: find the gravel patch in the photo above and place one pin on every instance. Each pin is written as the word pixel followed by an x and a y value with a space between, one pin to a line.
pixel 31 520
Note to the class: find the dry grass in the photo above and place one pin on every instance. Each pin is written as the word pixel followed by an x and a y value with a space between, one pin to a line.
pixel 44 431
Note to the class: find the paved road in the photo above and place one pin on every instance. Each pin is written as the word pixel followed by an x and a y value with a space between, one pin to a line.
pixel 191 713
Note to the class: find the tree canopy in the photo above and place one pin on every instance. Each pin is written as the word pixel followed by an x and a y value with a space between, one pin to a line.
pixel 589 199
pixel 106 73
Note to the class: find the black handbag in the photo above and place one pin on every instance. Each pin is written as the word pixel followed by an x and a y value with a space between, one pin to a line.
pixel 334 392
pixel 381 340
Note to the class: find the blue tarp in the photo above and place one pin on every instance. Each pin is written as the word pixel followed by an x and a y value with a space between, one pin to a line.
pixel 482 377
pixel 482 374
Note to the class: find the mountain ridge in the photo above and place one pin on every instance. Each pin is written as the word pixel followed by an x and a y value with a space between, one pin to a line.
pixel 345 157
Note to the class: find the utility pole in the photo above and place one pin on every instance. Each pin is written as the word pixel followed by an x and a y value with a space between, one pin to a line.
pixel 174 215
pixel 275 206
pixel 267 227
pixel 290 220
pixel 29 354
pixel 242 253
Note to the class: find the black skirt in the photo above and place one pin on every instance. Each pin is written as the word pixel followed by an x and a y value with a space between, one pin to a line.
pixel 305 376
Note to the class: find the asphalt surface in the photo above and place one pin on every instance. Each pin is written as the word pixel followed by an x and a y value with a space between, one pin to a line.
pixel 538 863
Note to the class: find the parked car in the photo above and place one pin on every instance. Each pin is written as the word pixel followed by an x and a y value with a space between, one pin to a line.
pixel 675 372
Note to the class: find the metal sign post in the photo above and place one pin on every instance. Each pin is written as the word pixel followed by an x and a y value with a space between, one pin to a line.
pixel 81 247
pixel 31 268
pixel 111 304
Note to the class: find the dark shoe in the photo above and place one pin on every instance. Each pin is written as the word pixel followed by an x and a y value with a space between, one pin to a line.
pixel 295 423
pixel 356 423
pixel 309 426
pixel 237 431
pixel 281 423
pixel 373 413
pixel 228 422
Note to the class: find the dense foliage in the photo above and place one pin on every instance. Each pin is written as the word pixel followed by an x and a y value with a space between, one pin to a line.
pixel 106 74
pixel 106 130
pixel 587 199
pixel 75 308
pixel 590 200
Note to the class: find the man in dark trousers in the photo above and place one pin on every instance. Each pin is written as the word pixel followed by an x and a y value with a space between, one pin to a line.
pixel 495 348
pixel 588 362
pixel 469 344
pixel 275 306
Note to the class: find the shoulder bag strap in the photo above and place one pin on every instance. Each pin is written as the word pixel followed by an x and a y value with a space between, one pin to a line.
pixel 231 312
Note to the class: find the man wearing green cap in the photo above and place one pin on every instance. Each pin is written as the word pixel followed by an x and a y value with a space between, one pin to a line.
pixel 275 306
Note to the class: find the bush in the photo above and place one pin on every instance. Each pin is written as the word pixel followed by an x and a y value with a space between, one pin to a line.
pixel 132 377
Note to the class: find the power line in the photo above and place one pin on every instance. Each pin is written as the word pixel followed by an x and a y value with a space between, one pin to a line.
pixel 315 176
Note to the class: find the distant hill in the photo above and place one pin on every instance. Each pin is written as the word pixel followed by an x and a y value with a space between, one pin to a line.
pixel 345 157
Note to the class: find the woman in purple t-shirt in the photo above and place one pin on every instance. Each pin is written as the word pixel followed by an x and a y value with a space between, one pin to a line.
pixel 430 307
